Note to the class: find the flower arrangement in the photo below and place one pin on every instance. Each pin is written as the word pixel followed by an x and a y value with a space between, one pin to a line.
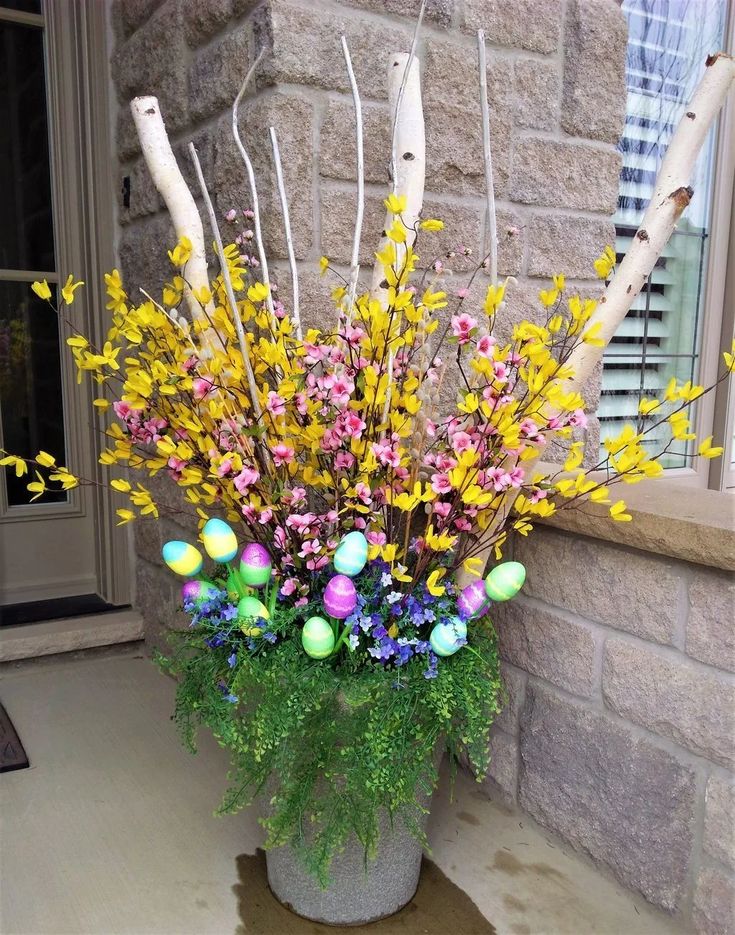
pixel 352 635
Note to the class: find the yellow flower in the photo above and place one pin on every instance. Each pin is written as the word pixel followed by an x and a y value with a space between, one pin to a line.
pixel 432 224
pixel 69 289
pixel 473 566
pixel 258 292
pixel 180 254
pixel 591 335
pixel 433 300
pixel 37 487
pixel 574 458
pixel 323 265
pixel 559 282
pixel 45 459
pixel 729 358
pixel 548 297
pixel 605 263
pixel 432 583
pixel 122 485
pixel 126 516
pixel 396 232
pixel 706 450
pixel 617 511
pixel 647 406
pixel 67 480
pixel 42 289
pixel 493 298
pixel 19 464
pixel 396 204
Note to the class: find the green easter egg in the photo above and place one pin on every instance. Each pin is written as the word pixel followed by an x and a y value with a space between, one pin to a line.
pixel 248 609
pixel 317 638
pixel 505 581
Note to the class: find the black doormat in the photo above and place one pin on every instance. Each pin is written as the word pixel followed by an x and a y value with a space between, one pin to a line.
pixel 12 754
pixel 12 615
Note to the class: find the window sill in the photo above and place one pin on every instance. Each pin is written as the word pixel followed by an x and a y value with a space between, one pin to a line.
pixel 669 518
pixel 74 633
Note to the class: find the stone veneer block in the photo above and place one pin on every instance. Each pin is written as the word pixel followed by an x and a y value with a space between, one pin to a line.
pixel 544 643
pixel 338 210
pixel 142 255
pixel 719 820
pixel 217 73
pixel 671 697
pixel 595 38
pixel 559 173
pixel 437 11
pixel 609 792
pixel 710 631
pixel 204 19
pixel 153 61
pixel 514 681
pixel 338 149
pixel 303 44
pixel 450 77
pixel 714 902
pixel 536 93
pixel 292 115
pixel 566 243
pixel 525 24
pixel 628 590
pixel 133 13
pixel 503 769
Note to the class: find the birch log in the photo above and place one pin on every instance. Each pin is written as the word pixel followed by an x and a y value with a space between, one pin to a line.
pixel 173 189
pixel 410 149
pixel 671 196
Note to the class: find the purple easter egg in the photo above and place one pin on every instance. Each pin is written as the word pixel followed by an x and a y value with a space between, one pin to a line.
pixel 255 565
pixel 472 599
pixel 340 597
pixel 197 591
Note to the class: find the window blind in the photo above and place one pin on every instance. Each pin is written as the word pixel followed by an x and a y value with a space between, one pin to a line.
pixel 668 41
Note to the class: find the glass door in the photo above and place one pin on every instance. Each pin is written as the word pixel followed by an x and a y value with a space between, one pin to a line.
pixel 49 549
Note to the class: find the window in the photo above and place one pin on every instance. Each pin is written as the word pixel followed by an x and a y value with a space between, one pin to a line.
pixel 663 335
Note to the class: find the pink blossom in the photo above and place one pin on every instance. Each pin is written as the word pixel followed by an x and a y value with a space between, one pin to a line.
pixel 301 403
pixel 246 478
pixel 464 525
pixel 354 335
pixel 294 496
pixel 344 460
pixel 279 537
pixel 176 466
pixel 442 509
pixel 500 371
pixel 461 441
pixel 485 345
pixel 363 492
pixel 276 404
pixel 310 547
pixel 386 455
pixel 440 483
pixel 445 463
pixel 122 410
pixel 224 467
pixel 282 454
pixel 353 424
pixel 201 387
pixel 376 538
pixel 265 516
pixel 538 495
pixel 462 327
pixel 231 215
pixel 289 587
pixel 578 419
pixel 301 602
pixel 314 564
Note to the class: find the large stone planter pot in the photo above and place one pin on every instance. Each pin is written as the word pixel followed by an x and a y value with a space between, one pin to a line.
pixel 356 894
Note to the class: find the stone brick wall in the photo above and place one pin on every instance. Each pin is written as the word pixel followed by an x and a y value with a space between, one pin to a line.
pixel 619 734
pixel 618 731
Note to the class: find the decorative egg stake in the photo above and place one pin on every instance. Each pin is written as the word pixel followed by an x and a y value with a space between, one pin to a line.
pixel 250 608
pixel 472 600
pixel 255 565
pixel 351 554
pixel 505 581
pixel 340 597
pixel 198 591
pixel 182 558
pixel 317 638
pixel 447 638
pixel 219 540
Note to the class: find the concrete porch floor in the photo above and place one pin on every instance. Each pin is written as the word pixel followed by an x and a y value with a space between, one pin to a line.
pixel 111 831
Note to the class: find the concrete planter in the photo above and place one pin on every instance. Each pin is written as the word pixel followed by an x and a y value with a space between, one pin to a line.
pixel 357 894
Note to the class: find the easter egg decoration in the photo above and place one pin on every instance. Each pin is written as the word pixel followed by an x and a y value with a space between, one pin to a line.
pixel 505 581
pixel 472 600
pixel 249 609
pixel 351 554
pixel 182 558
pixel 447 638
pixel 198 591
pixel 317 638
pixel 255 565
pixel 219 540
pixel 340 597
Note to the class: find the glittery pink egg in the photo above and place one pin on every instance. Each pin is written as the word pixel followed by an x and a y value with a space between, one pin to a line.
pixel 472 599
pixel 255 565
pixel 340 597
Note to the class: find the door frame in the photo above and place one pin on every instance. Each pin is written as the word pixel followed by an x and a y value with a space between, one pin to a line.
pixel 83 182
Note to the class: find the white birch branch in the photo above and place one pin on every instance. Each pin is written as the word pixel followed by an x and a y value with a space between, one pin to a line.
pixel 253 192
pixel 670 197
pixel 227 279
pixel 296 311
pixel 492 224
pixel 355 263
pixel 173 189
